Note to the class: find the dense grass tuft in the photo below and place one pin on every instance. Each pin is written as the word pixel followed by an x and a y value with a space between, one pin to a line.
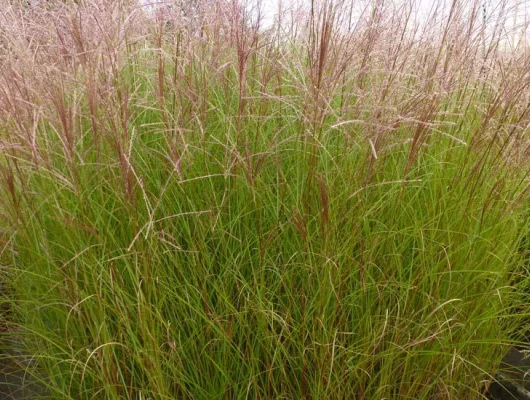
pixel 197 206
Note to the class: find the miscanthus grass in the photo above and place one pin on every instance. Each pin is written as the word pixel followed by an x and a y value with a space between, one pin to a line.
pixel 196 206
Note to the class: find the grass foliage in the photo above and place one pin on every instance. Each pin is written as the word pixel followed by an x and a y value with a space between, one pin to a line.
pixel 195 206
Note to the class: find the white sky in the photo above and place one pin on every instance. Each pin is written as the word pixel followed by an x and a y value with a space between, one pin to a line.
pixel 516 11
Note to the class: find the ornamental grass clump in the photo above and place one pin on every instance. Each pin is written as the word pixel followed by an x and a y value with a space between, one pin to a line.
pixel 201 201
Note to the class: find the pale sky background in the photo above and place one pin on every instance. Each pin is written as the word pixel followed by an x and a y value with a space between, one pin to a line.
pixel 516 11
